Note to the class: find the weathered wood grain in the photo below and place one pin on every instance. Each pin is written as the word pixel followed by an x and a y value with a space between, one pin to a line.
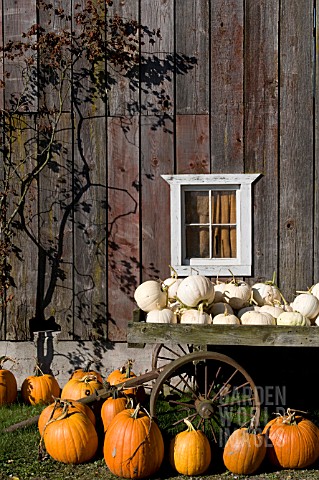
pixel 90 205
pixel 192 144
pixel 226 86
pixel 296 165
pixel 123 223
pixel 261 129
pixel 274 336
pixel 192 57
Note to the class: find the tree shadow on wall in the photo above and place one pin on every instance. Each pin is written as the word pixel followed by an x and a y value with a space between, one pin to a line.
pixel 56 218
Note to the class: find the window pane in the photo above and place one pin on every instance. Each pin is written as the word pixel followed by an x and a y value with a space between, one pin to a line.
pixel 196 207
pixel 223 207
pixel 224 242
pixel 197 242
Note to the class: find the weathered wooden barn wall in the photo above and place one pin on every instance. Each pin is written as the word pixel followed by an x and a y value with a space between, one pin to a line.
pixel 238 95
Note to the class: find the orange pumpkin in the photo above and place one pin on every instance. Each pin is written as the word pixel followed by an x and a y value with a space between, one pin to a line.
pixel 71 438
pixel 8 384
pixel 40 388
pixel 55 409
pixel 190 452
pixel 111 407
pixel 77 388
pixel 294 441
pixel 122 374
pixel 133 445
pixel 244 451
pixel 80 372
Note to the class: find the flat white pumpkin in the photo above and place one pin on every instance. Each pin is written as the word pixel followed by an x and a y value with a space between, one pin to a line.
pixel 195 316
pixel 307 304
pixel 257 318
pixel 294 319
pixel 225 319
pixel 219 289
pixel 250 308
pixel 265 294
pixel 219 307
pixel 161 316
pixel 315 290
pixel 274 310
pixel 150 296
pixel 194 290
pixel 171 284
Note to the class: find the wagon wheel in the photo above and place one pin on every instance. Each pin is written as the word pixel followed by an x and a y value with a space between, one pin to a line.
pixel 164 354
pixel 211 390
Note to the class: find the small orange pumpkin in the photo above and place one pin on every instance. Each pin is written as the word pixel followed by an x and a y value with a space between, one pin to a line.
pixel 122 374
pixel 40 388
pixel 70 438
pixel 8 384
pixel 294 441
pixel 190 452
pixel 56 408
pixel 244 451
pixel 133 445
pixel 80 372
pixel 77 388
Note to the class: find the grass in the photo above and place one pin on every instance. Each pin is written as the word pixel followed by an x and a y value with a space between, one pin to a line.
pixel 19 457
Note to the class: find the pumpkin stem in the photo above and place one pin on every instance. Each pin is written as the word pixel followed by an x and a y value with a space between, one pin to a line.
pixel 38 371
pixel 190 427
pixel 173 272
pixel 136 411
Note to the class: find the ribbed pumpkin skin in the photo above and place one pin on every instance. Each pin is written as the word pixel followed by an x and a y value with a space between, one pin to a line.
pixel 81 372
pixel 244 452
pixel 72 439
pixel 40 389
pixel 77 388
pixel 74 407
pixel 8 387
pixel 133 448
pixel 110 408
pixel 190 452
pixel 294 445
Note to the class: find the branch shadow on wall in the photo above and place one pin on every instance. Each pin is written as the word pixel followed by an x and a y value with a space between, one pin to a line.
pixel 66 219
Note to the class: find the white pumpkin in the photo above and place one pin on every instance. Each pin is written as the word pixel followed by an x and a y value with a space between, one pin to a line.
pixel 150 296
pixel 251 308
pixel 225 319
pixel 307 304
pixel 219 289
pixel 265 294
pixel 171 285
pixel 166 315
pixel 294 319
pixel 194 315
pixel 315 290
pixel 257 318
pixel 194 290
pixel 219 307
pixel 274 310
pixel 238 295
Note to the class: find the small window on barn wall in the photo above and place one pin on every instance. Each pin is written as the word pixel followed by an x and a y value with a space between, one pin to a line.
pixel 211 223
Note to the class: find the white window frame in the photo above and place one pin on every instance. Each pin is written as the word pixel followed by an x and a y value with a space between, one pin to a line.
pixel 242 183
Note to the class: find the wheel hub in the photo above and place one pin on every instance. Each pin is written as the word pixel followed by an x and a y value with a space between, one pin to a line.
pixel 205 408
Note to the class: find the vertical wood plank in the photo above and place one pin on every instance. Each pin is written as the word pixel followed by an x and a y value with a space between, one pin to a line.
pixel 296 146
pixel 192 56
pixel 23 258
pixel 123 94
pixel 261 129
pixel 316 151
pixel 123 223
pixel 192 144
pixel 227 68
pixel 90 213
pixel 157 141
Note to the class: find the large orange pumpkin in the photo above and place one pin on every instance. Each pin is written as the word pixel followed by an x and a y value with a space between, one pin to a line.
pixel 244 451
pixel 40 388
pixel 190 452
pixel 71 438
pixel 8 384
pixel 77 388
pixel 56 409
pixel 294 441
pixel 133 445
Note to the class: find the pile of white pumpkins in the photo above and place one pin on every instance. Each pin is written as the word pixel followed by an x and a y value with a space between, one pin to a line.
pixel 197 300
